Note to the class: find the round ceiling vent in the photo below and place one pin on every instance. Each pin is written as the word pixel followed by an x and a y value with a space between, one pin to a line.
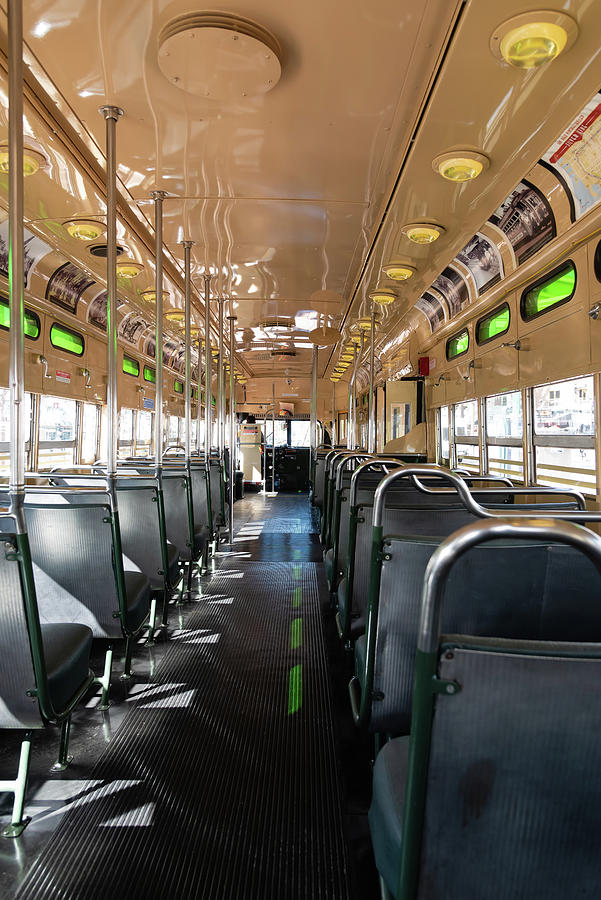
pixel 219 56
pixel 102 250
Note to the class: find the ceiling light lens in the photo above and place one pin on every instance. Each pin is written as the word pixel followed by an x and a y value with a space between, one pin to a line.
pixel 398 271
pixel 84 230
pixel 31 161
pixel 460 168
pixel 151 296
pixel 423 234
pixel 129 268
pixel 533 44
pixel 383 297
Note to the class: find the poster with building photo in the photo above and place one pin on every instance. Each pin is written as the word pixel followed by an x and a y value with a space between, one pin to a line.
pixel 483 259
pixel 131 328
pixel 66 285
pixel 526 219
pixel 33 250
pixel 452 286
pixel 433 310
pixel 576 157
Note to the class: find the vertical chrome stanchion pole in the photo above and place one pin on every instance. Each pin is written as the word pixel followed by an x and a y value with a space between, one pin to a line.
pixel 16 259
pixel 158 197
pixel 221 388
pixel 111 115
pixel 273 437
pixel 349 421
pixel 199 391
pixel 232 321
pixel 334 429
pixel 187 358
pixel 313 424
pixel 371 410
pixel 208 369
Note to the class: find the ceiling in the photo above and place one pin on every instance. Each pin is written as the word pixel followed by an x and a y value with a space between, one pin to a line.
pixel 303 189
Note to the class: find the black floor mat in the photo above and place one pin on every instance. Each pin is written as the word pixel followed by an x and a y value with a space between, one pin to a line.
pixel 221 782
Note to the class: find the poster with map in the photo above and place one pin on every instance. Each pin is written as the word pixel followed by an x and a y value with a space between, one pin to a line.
pixel 576 157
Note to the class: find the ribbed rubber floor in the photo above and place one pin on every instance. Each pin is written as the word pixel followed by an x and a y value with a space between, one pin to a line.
pixel 221 782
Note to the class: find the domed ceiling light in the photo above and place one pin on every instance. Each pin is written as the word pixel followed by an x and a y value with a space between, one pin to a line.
pixel 219 56
pixel 324 336
pixel 84 229
pixel 534 38
pixel 460 165
pixel 33 160
pixel 129 268
pixel 398 271
pixel 150 296
pixel 382 296
pixel 422 232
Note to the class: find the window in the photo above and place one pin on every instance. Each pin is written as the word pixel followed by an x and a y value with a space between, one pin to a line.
pixel 281 432
pixel 58 426
pixel 65 339
pixel 400 415
pixel 131 366
pixel 5 431
pixel 554 289
pixel 90 418
pixel 503 436
pixel 564 434
pixel 493 325
pixel 125 443
pixel 173 432
pixel 143 433
pixel 150 374
pixel 466 435
pixel 458 345
pixel 32 321
pixel 178 387
pixel 300 433
pixel 443 431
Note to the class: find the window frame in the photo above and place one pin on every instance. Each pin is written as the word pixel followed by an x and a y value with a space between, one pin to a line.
pixel 146 369
pixel 491 315
pixel 73 333
pixel 28 312
pixel 130 359
pixel 456 337
pixel 549 276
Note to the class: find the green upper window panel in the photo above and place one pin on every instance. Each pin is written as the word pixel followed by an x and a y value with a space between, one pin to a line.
pixel 493 325
pixel 131 366
pixel 554 289
pixel 458 345
pixel 64 339
pixel 32 322
pixel 150 374
pixel 178 387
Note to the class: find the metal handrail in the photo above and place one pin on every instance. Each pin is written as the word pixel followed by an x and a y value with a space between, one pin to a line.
pixel 341 468
pixel 370 464
pixel 470 503
pixel 452 548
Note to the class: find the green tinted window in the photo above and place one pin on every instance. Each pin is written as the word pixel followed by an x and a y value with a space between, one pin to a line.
pixel 491 326
pixel 150 374
pixel 458 345
pixel 131 366
pixel 178 387
pixel 556 288
pixel 32 322
pixel 64 339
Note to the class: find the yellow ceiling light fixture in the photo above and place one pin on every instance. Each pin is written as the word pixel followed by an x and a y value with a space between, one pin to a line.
pixel 398 271
pixel 84 229
pixel 534 38
pixel 364 324
pixel 150 296
pixel 460 165
pixel 342 364
pixel 422 232
pixel 347 357
pixel 174 315
pixel 33 160
pixel 334 378
pixel 129 268
pixel 382 296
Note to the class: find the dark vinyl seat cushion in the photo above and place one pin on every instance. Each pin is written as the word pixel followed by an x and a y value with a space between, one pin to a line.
pixel 67 648
pixel 201 537
pixel 360 651
pixel 329 564
pixel 386 810
pixel 358 621
pixel 138 594
pixel 172 563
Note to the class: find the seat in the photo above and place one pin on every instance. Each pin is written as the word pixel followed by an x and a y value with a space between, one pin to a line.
pixel 67 650
pixel 138 596
pixel 172 563
pixel 386 810
pixel 201 537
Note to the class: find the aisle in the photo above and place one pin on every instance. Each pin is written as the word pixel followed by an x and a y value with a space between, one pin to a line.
pixel 221 782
